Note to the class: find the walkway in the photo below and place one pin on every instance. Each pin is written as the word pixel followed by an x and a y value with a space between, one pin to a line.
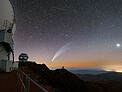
pixel 9 82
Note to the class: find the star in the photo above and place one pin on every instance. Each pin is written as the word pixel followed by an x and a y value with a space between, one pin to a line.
pixel 66 35
pixel 92 26
pixel 108 45
pixel 118 45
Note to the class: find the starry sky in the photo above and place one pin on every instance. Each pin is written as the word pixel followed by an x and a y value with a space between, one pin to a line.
pixel 70 33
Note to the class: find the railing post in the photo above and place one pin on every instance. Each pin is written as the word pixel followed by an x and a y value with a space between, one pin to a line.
pixel 27 84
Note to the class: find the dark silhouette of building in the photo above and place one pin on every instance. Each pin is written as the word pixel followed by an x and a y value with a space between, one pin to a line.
pixel 23 57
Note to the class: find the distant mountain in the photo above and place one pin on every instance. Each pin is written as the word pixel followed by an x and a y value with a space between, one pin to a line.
pixel 114 76
pixel 61 80
pixel 82 71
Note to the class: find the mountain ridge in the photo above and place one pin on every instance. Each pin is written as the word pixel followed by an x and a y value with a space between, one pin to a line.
pixel 61 80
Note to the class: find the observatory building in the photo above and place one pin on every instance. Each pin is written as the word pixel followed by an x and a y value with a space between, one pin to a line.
pixel 23 57
pixel 7 29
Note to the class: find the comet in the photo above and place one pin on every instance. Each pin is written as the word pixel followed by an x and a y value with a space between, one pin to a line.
pixel 61 50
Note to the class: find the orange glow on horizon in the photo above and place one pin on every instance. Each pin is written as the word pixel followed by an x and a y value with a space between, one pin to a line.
pixel 118 70
pixel 77 64
pixel 113 70
pixel 84 64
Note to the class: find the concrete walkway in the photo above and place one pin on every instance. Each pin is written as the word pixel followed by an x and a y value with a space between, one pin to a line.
pixel 9 82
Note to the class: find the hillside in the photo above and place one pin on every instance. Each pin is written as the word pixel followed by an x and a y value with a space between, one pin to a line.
pixel 88 71
pixel 111 76
pixel 61 80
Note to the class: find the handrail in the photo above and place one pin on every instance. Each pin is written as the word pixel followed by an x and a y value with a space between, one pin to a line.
pixel 26 89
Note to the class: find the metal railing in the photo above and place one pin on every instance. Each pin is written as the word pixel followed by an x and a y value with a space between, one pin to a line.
pixel 25 82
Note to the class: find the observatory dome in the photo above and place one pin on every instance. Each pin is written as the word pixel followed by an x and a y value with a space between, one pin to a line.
pixel 6 16
pixel 23 57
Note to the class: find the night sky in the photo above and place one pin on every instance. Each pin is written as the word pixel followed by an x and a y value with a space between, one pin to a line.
pixel 70 33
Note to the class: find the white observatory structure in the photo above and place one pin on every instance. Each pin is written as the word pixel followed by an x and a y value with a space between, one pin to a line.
pixel 23 57
pixel 7 29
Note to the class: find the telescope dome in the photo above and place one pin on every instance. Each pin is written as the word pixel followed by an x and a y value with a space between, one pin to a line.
pixel 6 15
pixel 23 57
